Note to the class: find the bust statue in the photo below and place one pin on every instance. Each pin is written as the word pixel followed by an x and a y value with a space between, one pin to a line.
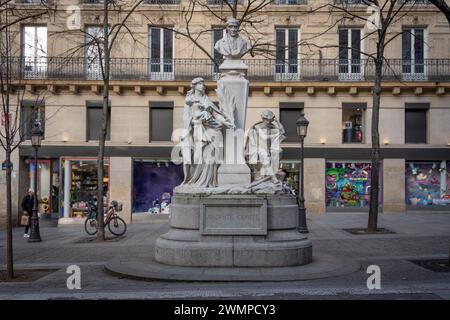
pixel 232 46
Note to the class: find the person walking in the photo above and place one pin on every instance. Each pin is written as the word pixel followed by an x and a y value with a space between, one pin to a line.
pixel 27 207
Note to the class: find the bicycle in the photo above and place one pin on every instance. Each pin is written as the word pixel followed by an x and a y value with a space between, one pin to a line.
pixel 116 224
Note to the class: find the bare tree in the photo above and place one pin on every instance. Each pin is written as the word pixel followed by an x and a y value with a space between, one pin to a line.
pixel 10 75
pixel 101 47
pixel 248 12
pixel 380 22
pixel 443 6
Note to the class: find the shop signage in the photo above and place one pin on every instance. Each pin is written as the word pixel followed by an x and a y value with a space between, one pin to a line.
pixel 4 165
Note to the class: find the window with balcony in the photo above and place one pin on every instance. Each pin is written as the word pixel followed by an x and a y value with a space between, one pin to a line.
pixel 217 34
pixel 161 121
pixel 289 113
pixel 34 51
pixel 162 1
pixel 413 54
pixel 286 59
pixel 94 52
pixel 161 54
pixel 224 2
pixel 92 1
pixel 350 2
pixel 94 120
pixel 416 122
pixel 290 2
pixel 353 122
pixel 32 1
pixel 28 111
pixel 349 54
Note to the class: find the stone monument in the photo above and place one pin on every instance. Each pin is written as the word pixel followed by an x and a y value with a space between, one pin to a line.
pixel 223 214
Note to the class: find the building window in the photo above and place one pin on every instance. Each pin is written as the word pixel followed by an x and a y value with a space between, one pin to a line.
pixel 94 52
pixel 32 1
pixel 349 54
pixel 28 111
pixel 94 120
pixel 161 54
pixel 161 121
pixel 34 50
pixel 286 63
pixel 289 113
pixel 349 2
pixel 353 122
pixel 348 184
pixel 217 34
pixel 413 54
pixel 427 183
pixel 290 2
pixel 224 2
pixel 416 122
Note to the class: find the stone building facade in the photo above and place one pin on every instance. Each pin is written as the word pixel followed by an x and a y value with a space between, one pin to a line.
pixel 151 74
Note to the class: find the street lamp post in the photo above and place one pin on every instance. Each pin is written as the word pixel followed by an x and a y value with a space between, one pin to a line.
pixel 302 128
pixel 36 137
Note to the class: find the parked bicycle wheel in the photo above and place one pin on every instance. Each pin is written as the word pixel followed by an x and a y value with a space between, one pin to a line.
pixel 90 225
pixel 117 226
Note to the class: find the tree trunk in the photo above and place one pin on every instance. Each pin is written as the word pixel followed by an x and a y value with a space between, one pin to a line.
pixel 102 138
pixel 375 154
pixel 9 237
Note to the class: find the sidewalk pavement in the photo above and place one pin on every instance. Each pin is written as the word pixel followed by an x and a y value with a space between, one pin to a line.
pixel 418 235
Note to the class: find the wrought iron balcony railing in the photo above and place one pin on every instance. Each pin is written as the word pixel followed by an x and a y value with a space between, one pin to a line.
pixel 74 68
pixel 290 2
pixel 145 1
pixel 367 2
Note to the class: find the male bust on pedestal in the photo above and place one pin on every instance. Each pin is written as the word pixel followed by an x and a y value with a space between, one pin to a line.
pixel 232 47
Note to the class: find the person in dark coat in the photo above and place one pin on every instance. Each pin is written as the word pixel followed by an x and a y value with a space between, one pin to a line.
pixel 27 207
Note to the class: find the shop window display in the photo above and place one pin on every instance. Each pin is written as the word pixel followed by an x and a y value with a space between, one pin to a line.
pixel 83 185
pixel 44 179
pixel 427 183
pixel 292 175
pixel 348 184
pixel 153 184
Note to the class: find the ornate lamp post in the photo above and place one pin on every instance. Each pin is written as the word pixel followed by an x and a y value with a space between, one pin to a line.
pixel 36 137
pixel 302 129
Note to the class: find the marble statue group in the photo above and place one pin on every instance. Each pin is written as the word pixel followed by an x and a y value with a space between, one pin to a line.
pixel 207 126
pixel 233 208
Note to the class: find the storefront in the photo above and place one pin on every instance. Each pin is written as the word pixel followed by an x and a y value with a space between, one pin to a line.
pixel 153 184
pixel 347 184
pixel 47 184
pixel 427 183
pixel 292 174
pixel 79 178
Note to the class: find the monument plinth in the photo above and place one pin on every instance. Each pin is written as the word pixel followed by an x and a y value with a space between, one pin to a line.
pixel 233 231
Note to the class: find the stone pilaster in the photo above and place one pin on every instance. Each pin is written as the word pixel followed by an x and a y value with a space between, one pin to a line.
pixel 120 184
pixel 315 185
pixel 394 186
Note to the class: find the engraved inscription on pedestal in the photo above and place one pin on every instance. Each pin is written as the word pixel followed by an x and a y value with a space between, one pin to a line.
pixel 226 216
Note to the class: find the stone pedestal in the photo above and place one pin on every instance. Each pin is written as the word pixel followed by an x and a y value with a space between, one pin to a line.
pixel 235 89
pixel 233 231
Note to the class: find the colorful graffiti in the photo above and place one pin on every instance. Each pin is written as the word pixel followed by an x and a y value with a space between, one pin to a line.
pixel 347 184
pixel 427 183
